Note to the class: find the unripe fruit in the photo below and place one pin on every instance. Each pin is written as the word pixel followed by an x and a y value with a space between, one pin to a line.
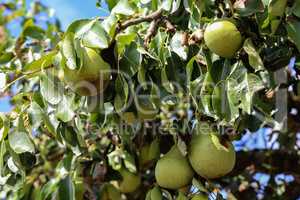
pixel 173 170
pixel 149 152
pixel 200 197
pixel 109 192
pixel 130 181
pixel 209 158
pixel 92 77
pixel 154 194
pixel 223 38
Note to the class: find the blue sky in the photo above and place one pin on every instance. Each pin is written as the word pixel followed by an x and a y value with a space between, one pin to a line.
pixel 67 11
pixel 70 10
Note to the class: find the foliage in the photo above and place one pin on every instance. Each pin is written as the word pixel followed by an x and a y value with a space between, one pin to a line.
pixel 163 84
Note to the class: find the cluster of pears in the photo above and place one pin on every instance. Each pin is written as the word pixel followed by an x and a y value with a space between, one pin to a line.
pixel 82 67
pixel 208 156
pixel 223 38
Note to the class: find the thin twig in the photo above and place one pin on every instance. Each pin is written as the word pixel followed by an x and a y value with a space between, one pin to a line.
pixel 22 77
pixel 152 16
pixel 151 31
pixel 169 26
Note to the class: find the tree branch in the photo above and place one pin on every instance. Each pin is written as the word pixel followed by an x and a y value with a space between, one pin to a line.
pixel 151 31
pixel 148 18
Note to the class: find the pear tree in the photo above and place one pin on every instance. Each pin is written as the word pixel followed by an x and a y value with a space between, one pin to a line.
pixel 156 100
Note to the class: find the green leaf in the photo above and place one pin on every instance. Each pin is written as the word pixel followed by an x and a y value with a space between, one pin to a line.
pixel 114 159
pixel 64 110
pixel 66 190
pixel 189 69
pixel 79 27
pixel 68 134
pixel 96 37
pixel 6 57
pixel 248 87
pixel 122 87
pixel 276 8
pixel 142 76
pixel 296 8
pixel 254 57
pixel 123 7
pixel 51 89
pixel 20 142
pixel 124 39
pixel 165 81
pixel 49 188
pixel 293 29
pixel 205 94
pixel 4 126
pixel 248 7
pixel 12 166
pixel 36 115
pixel 44 61
pixel 225 100
pixel 129 162
pixel 33 31
pixel 199 185
pixel 176 46
pixel 131 60
pixel 68 50
pixel 111 3
pixel 109 24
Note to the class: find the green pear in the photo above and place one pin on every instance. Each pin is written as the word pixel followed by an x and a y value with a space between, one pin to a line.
pixel 154 194
pixel 223 38
pixel 173 171
pixel 149 152
pixel 130 182
pixel 92 77
pixel 109 192
pixel 199 197
pixel 209 157
pixel 143 157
